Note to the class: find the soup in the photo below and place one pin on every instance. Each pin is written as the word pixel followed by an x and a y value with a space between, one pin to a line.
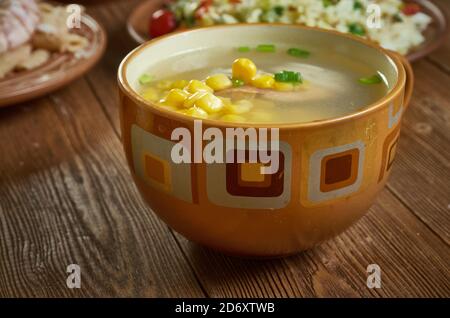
pixel 269 83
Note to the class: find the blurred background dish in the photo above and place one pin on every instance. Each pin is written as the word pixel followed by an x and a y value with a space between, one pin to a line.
pixel 416 28
pixel 49 54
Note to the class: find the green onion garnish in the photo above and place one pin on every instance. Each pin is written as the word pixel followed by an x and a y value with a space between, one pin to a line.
pixel 327 3
pixel 145 79
pixel 278 10
pixel 243 49
pixel 268 48
pixel 357 5
pixel 374 79
pixel 288 77
pixel 356 28
pixel 237 82
pixel 298 52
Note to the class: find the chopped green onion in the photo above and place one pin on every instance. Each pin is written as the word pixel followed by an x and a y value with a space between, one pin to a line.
pixel 298 52
pixel 288 77
pixel 237 82
pixel 356 28
pixel 357 5
pixel 278 10
pixel 268 48
pixel 145 79
pixel 397 18
pixel 374 79
pixel 243 49
pixel 327 3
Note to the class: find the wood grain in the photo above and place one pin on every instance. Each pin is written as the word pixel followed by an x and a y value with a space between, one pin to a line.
pixel 414 262
pixel 66 197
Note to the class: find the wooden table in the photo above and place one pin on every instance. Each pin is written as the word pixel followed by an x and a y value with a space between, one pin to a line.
pixel 66 196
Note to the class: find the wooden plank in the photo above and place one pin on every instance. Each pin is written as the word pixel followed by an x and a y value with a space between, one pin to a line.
pixel 414 262
pixel 103 78
pixel 67 197
pixel 421 173
pixel 441 57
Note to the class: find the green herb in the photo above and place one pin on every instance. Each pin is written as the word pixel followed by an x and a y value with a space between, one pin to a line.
pixel 397 18
pixel 267 48
pixel 374 79
pixel 327 3
pixel 357 5
pixel 145 79
pixel 356 28
pixel 237 82
pixel 243 49
pixel 278 10
pixel 298 52
pixel 189 21
pixel 288 77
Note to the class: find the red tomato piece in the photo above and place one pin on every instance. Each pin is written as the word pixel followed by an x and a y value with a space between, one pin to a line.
pixel 411 9
pixel 162 22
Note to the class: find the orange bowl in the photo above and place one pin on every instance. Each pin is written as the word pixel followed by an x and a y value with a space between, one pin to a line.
pixel 330 170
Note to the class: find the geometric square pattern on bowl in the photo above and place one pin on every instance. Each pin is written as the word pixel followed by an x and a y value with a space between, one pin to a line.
pixel 153 164
pixel 339 170
pixel 388 152
pixel 241 185
pixel 395 112
pixel 246 179
pixel 157 171
pixel 335 172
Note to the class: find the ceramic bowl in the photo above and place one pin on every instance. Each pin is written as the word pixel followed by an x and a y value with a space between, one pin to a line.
pixel 330 170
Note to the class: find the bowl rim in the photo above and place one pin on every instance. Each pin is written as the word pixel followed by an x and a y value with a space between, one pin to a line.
pixel 369 109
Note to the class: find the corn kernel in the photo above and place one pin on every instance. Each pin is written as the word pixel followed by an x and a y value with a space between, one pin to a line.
pixel 179 84
pixel 210 103
pixel 190 101
pixel 164 84
pixel 218 82
pixel 232 118
pixel 175 97
pixel 150 94
pixel 195 112
pixel 263 81
pixel 195 86
pixel 244 69
pixel 240 107
pixel 281 86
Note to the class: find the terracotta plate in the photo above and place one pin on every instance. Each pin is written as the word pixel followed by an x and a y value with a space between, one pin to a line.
pixel 61 69
pixel 138 24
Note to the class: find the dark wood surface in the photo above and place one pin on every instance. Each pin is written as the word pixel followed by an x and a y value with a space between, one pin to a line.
pixel 66 196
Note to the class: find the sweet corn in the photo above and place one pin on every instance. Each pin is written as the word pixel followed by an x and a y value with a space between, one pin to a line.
pixel 263 81
pixel 195 86
pixel 164 84
pixel 150 94
pixel 244 69
pixel 179 84
pixel 232 118
pixel 190 101
pixel 240 107
pixel 210 103
pixel 281 86
pixel 218 82
pixel 195 112
pixel 175 97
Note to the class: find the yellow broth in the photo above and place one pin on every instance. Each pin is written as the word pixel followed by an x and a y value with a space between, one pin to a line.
pixel 330 88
